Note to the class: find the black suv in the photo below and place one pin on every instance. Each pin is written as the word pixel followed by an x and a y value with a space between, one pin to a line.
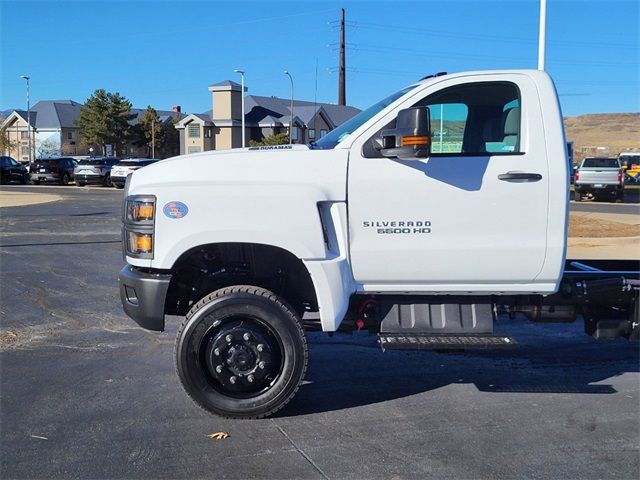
pixel 53 170
pixel 12 170
pixel 95 170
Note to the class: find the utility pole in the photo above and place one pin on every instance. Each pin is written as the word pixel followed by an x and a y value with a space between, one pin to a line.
pixel 286 72
pixel 241 72
pixel 153 138
pixel 542 34
pixel 342 89
pixel 28 115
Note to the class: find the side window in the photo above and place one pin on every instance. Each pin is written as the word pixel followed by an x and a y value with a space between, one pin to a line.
pixel 475 119
pixel 448 122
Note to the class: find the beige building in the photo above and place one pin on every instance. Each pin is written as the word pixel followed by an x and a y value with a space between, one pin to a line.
pixel 54 132
pixel 221 127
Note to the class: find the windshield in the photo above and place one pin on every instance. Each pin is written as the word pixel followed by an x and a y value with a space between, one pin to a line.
pixel 600 163
pixel 336 136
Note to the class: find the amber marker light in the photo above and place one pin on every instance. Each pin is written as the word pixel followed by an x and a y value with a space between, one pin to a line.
pixel 143 243
pixel 144 211
pixel 415 140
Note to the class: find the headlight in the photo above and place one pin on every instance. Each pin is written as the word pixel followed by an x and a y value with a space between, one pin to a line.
pixel 140 210
pixel 138 219
pixel 139 243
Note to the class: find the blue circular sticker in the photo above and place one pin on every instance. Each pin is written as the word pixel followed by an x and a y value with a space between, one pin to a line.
pixel 175 209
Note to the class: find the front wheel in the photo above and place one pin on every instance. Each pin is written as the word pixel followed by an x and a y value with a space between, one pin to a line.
pixel 65 179
pixel 241 352
pixel 107 181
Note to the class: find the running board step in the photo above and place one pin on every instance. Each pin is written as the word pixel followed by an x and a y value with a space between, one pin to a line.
pixel 443 342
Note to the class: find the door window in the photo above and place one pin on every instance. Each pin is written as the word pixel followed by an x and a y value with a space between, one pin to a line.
pixel 448 121
pixel 475 119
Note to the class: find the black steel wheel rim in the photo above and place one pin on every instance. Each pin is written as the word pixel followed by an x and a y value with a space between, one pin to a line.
pixel 241 356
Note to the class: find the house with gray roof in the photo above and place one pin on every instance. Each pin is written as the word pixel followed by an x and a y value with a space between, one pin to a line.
pixel 54 131
pixel 221 127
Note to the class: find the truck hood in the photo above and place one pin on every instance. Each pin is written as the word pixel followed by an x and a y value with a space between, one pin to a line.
pixel 249 169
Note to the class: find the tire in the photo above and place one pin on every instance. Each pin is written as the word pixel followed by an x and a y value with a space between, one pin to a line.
pixel 120 187
pixel 4 179
pixel 577 196
pixel 36 182
pixel 24 180
pixel 65 179
pixel 107 181
pixel 241 352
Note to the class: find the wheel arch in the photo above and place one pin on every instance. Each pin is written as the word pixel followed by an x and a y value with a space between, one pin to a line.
pixel 209 267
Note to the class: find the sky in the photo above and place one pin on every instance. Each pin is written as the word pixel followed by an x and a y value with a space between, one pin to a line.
pixel 164 53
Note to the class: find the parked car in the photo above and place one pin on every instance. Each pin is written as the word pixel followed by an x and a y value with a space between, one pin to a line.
pixel 599 177
pixel 95 170
pixel 122 170
pixel 52 170
pixel 12 170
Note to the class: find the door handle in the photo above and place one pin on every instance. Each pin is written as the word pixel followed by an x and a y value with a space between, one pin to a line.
pixel 520 177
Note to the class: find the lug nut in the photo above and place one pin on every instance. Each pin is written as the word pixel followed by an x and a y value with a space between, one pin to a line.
pixel 246 336
pixel 228 338
pixel 260 347
pixel 233 380
pixel 250 378
pixel 219 369
pixel 261 365
pixel 216 352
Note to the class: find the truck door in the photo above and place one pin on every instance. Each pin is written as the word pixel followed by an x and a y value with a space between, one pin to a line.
pixel 473 216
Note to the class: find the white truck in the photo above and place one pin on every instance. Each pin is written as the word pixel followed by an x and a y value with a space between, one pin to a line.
pixel 383 225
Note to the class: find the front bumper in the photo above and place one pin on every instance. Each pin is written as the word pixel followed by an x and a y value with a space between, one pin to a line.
pixel 143 295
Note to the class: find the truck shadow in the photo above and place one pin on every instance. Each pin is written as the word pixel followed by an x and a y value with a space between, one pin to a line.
pixel 347 372
pixel 461 172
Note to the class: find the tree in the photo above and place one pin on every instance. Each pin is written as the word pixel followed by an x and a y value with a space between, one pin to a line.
pixel 172 137
pixel 119 116
pixel 149 128
pixel 6 144
pixel 47 148
pixel 277 139
pixel 104 120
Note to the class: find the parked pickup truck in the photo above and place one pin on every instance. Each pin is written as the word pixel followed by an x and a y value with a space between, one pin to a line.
pixel 599 177
pixel 371 227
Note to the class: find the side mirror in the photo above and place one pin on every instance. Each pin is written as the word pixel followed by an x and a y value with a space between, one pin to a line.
pixel 411 139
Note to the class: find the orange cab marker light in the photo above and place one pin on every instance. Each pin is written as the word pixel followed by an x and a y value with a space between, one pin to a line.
pixel 415 140
pixel 144 211
pixel 143 243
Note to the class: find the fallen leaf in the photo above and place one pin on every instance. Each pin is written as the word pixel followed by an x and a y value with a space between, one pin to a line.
pixel 218 435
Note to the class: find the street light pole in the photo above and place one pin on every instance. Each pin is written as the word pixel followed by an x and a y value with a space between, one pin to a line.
pixel 542 34
pixel 28 115
pixel 286 72
pixel 241 72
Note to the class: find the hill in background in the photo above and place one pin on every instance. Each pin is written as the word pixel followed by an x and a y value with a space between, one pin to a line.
pixel 603 134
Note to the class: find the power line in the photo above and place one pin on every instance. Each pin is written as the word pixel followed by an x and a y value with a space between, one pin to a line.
pixel 481 37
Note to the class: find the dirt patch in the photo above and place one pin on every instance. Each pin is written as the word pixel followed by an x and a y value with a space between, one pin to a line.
pixel 590 227
pixel 18 199
pixel 7 337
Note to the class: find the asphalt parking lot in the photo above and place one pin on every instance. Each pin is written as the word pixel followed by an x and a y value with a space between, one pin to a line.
pixel 88 394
